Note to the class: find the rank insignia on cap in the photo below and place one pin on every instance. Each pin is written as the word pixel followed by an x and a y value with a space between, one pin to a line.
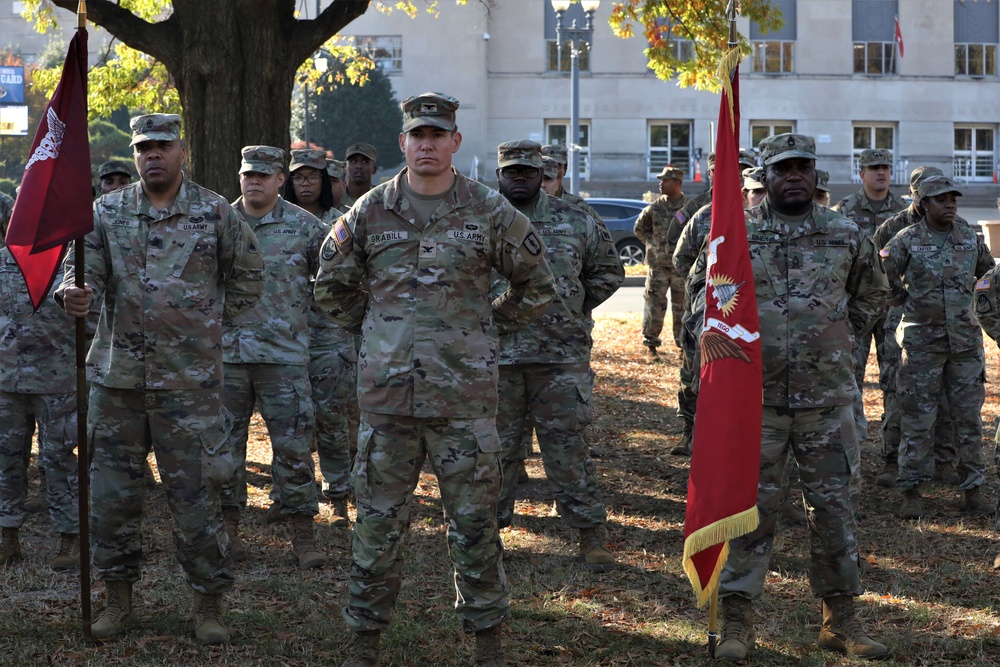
pixel 983 284
pixel 428 107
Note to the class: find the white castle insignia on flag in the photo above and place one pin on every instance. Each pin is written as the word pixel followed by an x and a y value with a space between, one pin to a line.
pixel 48 147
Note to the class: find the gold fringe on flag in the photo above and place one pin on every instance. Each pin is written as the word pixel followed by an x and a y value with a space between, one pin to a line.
pixel 724 73
pixel 721 531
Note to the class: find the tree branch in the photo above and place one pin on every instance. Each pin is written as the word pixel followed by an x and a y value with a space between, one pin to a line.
pixel 151 38
pixel 309 35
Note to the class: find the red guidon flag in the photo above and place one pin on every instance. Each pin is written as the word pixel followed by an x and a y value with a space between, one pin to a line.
pixel 899 38
pixel 53 205
pixel 725 464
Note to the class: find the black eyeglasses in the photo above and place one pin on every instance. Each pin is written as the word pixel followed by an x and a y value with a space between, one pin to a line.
pixel 527 173
pixel 302 179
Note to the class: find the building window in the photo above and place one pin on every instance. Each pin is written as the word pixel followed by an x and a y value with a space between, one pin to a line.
pixel 871 135
pixel 977 33
pixel 560 62
pixel 669 143
pixel 385 50
pixel 774 52
pixel 874 29
pixel 974 156
pixel 762 129
pixel 556 132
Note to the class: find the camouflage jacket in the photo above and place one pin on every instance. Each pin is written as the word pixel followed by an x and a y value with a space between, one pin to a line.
pixel 167 279
pixel 6 208
pixel 324 333
pixel 818 285
pixel 586 269
pixel 276 329
pixel 860 209
pixel 580 203
pixel 682 216
pixel 420 296
pixel 900 221
pixel 692 238
pixel 987 303
pixel 36 350
pixel 652 225
pixel 935 285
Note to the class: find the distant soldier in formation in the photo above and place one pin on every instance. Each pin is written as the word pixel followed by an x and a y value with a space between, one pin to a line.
pixel 933 267
pixel 545 367
pixel 550 176
pixel 662 279
pixel 362 163
pixel 987 308
pixel 337 171
pixel 308 185
pixel 266 350
pixel 822 188
pixel 409 267
pixel 168 258
pixel 114 175
pixel 558 153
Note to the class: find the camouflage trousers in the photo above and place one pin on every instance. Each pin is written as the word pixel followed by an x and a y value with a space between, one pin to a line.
pixel 862 348
pixel 554 397
pixel 925 374
pixel 57 440
pixel 333 377
pixel 661 281
pixel 690 369
pixel 282 395
pixel 465 457
pixel 944 434
pixel 528 433
pixel 820 440
pixel 188 430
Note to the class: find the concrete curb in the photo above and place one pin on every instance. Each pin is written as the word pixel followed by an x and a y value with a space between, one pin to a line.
pixel 634 281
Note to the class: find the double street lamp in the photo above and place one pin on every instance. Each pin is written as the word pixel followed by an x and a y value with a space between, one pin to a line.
pixel 576 37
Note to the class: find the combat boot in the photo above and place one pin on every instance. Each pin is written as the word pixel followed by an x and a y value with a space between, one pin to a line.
pixel 208 627
pixel 596 557
pixel 843 633
pixel 946 474
pixel 304 542
pixel 10 547
pixel 652 356
pixel 887 477
pixel 338 511
pixel 683 447
pixel 976 503
pixel 363 649
pixel 273 514
pixel 791 515
pixel 489 651
pixel 68 555
pixel 231 523
pixel 913 506
pixel 117 614
pixel 37 505
pixel 522 472
pixel 737 628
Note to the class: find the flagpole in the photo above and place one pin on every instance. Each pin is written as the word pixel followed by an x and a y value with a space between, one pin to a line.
pixel 83 448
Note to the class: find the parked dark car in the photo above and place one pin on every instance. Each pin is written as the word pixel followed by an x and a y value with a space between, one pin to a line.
pixel 619 215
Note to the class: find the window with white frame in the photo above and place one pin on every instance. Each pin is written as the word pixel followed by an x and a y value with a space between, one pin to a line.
pixel 974 157
pixel 872 135
pixel 669 143
pixel 774 52
pixel 977 33
pixel 556 132
pixel 874 30
pixel 762 129
pixel 385 50
pixel 559 59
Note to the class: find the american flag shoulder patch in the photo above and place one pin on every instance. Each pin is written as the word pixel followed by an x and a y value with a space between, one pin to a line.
pixel 884 252
pixel 983 284
pixel 340 233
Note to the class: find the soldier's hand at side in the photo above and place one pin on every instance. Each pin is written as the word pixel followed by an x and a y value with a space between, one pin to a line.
pixel 76 300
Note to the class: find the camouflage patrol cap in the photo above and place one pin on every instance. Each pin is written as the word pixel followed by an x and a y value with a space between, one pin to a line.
pixel 362 149
pixel 435 109
pixel 262 159
pixel 921 174
pixel 786 146
pixel 307 157
pixel 752 178
pixel 936 185
pixel 336 169
pixel 747 158
pixel 557 152
pixel 114 167
pixel 155 127
pixel 522 151
pixel 822 178
pixel 711 160
pixel 871 157
pixel 670 172
pixel 550 168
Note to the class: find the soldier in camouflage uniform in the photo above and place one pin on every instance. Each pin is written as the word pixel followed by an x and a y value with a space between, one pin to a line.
pixel 932 268
pixel 818 284
pixel 662 279
pixel 558 153
pixel 944 439
pixel 266 350
pixel 37 382
pixel 114 175
pixel 822 195
pixel 362 164
pixel 987 307
pixel 409 267
pixel 544 368
pixel 309 185
pixel 170 260
pixel 337 171
pixel 869 207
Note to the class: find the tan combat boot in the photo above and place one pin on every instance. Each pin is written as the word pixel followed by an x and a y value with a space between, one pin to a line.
pixel 683 446
pixel 976 503
pixel 489 651
pixel 208 627
pixel 842 632
pixel 596 557
pixel 273 514
pixel 912 507
pixel 736 639
pixel 339 518
pixel 231 523
pixel 304 546
pixel 68 555
pixel 117 614
pixel 10 547
pixel 887 477
pixel 363 649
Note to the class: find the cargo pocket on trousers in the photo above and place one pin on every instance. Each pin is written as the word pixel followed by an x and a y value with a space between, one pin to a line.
pixel 487 456
pixel 218 464
pixel 359 469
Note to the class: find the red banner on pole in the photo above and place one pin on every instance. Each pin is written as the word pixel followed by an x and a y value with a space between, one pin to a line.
pixel 54 203
pixel 899 38
pixel 725 462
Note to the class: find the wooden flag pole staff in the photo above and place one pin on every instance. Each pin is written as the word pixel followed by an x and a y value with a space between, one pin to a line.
pixel 83 448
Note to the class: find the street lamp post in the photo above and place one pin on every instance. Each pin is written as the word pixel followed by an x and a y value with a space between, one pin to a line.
pixel 575 37
pixel 320 64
